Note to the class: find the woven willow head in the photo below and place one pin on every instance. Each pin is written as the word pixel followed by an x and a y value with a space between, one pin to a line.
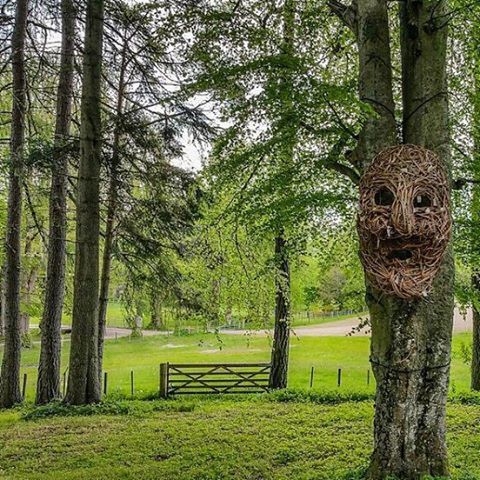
pixel 404 222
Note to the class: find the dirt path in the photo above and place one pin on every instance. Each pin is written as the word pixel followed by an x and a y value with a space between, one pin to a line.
pixel 117 332
pixel 341 328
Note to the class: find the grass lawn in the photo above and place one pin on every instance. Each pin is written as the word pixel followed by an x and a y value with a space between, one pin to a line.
pixel 254 438
pixel 213 439
pixel 325 354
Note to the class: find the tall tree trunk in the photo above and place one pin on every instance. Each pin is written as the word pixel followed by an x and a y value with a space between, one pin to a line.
pixel 475 379
pixel 410 346
pixel 111 212
pixel 83 380
pixel 411 341
pixel 2 301
pixel 281 334
pixel 48 383
pixel 10 374
pixel 475 210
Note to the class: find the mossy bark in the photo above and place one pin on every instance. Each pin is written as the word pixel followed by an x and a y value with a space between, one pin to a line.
pixel 411 341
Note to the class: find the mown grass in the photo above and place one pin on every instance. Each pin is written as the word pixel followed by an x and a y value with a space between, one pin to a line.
pixel 322 433
pixel 255 438
pixel 325 354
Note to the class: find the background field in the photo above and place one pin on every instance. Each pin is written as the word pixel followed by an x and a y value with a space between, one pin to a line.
pixel 325 354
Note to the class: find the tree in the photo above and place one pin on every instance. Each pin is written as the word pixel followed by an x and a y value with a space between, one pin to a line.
pixel 273 158
pixel 474 45
pixel 48 384
pixel 10 374
pixel 281 331
pixel 83 379
pixel 411 341
pixel 147 119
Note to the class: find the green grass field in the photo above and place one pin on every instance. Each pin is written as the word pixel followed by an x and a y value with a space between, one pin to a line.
pixel 325 354
pixel 221 438
pixel 213 439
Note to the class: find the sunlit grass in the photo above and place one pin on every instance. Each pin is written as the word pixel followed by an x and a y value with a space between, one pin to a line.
pixel 325 354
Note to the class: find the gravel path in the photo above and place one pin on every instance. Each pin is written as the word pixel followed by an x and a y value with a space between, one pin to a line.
pixel 341 328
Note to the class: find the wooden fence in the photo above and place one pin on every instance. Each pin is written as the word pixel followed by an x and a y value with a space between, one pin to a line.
pixel 208 378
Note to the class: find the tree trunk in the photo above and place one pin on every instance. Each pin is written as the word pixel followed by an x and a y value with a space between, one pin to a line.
pixel 475 380
pixel 48 383
pixel 410 346
pixel 156 317
pixel 10 374
pixel 111 214
pixel 83 380
pixel 2 302
pixel 281 335
pixel 411 341
pixel 475 210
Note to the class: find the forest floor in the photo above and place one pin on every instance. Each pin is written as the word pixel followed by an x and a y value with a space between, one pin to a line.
pixel 262 437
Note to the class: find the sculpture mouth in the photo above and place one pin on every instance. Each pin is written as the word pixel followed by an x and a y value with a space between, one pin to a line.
pixel 401 254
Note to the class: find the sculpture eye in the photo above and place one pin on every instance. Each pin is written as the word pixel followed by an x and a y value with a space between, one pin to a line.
pixel 384 197
pixel 422 201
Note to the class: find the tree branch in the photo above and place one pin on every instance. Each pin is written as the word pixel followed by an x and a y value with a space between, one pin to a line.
pixel 347 14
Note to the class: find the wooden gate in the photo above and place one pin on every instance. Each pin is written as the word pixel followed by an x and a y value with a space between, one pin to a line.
pixel 208 378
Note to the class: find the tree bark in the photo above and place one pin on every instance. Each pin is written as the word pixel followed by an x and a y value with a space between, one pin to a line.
pixel 48 383
pixel 2 301
pixel 156 316
pixel 111 212
pixel 10 374
pixel 281 334
pixel 411 341
pixel 83 379
pixel 475 379
pixel 410 346
pixel 475 209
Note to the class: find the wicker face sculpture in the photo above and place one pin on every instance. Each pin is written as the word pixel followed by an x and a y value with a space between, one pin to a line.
pixel 404 222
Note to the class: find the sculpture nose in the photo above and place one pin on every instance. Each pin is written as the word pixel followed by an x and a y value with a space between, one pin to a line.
pixel 403 218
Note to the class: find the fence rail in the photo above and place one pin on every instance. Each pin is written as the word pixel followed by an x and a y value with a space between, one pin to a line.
pixel 208 378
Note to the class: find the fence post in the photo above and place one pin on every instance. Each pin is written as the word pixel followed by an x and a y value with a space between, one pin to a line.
pixel 163 380
pixel 105 383
pixel 311 376
pixel 339 377
pixel 132 390
pixel 24 387
pixel 64 381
